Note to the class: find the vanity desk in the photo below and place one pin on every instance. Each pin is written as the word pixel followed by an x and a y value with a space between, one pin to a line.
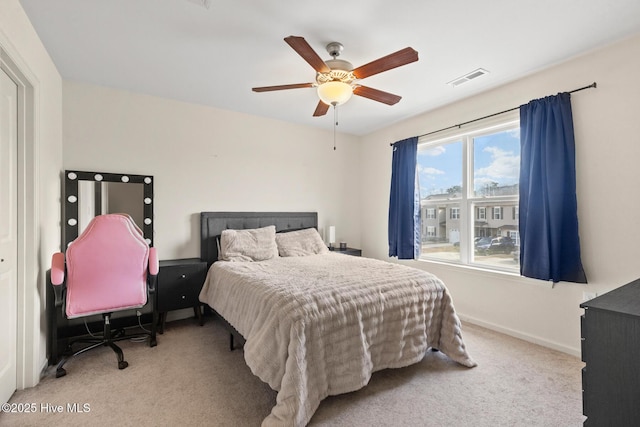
pixel 87 194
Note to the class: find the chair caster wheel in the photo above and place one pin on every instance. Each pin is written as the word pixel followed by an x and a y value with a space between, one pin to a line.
pixel 123 364
pixel 60 372
pixel 153 342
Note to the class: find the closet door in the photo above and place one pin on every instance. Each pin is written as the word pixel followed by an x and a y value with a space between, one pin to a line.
pixel 8 234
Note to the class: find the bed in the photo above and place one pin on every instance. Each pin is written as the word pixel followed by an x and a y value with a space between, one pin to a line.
pixel 318 323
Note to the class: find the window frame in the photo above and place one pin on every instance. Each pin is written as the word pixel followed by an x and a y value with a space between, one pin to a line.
pixel 468 201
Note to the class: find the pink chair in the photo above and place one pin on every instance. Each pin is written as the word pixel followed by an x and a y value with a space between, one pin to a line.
pixel 109 268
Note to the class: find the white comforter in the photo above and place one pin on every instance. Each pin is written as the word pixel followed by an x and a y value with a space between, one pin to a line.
pixel 320 325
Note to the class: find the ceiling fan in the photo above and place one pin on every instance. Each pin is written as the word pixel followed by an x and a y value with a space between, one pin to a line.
pixel 336 79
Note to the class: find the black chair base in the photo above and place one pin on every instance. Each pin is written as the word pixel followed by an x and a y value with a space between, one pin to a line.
pixel 106 340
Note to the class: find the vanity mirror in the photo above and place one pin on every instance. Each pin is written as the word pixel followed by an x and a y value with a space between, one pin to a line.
pixel 88 194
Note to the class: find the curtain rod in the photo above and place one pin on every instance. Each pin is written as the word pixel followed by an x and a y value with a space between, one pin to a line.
pixel 592 85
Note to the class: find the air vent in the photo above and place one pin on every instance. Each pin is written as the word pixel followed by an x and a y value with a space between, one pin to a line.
pixel 467 77
pixel 203 3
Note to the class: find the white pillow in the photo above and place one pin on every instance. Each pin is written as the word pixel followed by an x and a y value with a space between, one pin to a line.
pixel 255 244
pixel 300 243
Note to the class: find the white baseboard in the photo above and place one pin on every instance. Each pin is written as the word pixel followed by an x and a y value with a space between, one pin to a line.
pixel 521 335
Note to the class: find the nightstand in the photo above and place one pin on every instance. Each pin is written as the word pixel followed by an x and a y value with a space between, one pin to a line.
pixel 179 284
pixel 348 251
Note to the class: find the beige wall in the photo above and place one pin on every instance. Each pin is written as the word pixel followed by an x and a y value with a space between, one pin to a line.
pixel 41 162
pixel 207 159
pixel 607 129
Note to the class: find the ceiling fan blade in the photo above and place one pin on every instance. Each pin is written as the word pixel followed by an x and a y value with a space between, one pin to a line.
pixel 321 109
pixel 301 46
pixel 377 95
pixel 282 87
pixel 397 59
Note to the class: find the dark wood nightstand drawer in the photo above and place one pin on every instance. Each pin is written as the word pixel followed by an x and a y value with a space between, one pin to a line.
pixel 179 283
pixel 348 251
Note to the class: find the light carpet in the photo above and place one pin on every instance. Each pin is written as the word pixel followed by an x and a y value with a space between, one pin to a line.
pixel 191 378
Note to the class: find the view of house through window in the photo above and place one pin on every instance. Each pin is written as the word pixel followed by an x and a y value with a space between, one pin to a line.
pixel 469 197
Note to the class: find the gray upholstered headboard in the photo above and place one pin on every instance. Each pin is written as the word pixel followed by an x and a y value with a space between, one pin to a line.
pixel 212 224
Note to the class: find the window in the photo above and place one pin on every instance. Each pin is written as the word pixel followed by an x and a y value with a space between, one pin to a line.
pixel 482 213
pixel 497 212
pixel 472 176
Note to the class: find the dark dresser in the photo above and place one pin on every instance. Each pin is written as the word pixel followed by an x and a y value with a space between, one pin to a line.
pixel 611 352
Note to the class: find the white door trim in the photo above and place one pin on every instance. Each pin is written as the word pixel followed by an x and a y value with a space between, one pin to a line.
pixel 31 278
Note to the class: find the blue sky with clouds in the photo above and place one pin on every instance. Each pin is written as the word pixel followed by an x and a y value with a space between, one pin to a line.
pixel 496 157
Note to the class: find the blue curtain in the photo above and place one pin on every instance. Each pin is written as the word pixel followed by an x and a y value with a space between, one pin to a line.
pixel 549 242
pixel 404 202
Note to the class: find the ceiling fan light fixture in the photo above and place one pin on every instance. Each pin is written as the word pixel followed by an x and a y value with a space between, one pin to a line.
pixel 335 92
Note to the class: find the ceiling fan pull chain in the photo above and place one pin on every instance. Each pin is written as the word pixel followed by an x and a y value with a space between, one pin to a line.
pixel 335 124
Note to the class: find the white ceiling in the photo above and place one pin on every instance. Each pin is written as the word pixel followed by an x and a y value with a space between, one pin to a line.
pixel 182 50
